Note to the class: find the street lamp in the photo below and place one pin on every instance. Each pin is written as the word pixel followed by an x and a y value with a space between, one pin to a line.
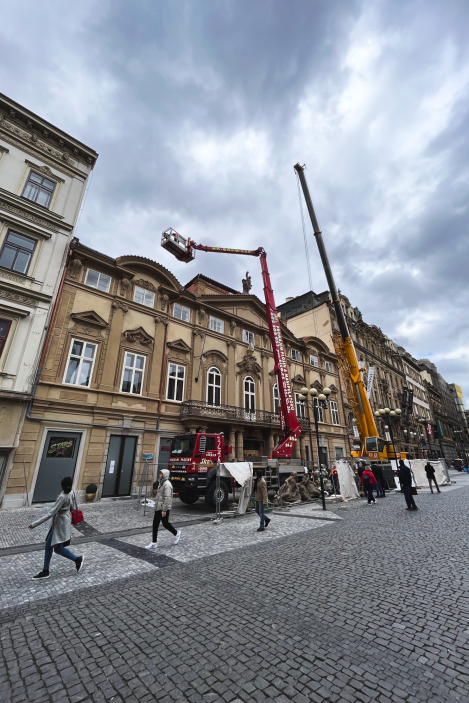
pixel 318 400
pixel 389 416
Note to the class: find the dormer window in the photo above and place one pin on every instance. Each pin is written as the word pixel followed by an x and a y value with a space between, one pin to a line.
pixel 296 355
pixel 98 280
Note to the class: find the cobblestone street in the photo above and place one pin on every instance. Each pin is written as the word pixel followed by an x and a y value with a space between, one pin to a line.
pixel 369 604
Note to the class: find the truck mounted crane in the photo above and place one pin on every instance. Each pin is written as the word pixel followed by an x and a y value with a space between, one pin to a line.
pixel 371 444
pixel 290 429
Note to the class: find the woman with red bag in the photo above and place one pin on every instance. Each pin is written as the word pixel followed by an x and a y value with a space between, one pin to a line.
pixel 61 529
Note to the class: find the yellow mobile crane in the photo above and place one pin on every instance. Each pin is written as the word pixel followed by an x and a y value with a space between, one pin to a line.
pixel 371 444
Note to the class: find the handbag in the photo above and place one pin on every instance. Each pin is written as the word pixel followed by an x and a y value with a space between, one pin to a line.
pixel 77 515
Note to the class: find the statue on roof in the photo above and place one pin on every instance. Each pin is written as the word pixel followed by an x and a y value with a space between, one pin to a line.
pixel 247 285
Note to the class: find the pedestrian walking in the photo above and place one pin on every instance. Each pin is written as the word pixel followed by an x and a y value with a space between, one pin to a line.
pixel 430 471
pixel 59 535
pixel 369 482
pixel 163 505
pixel 379 476
pixel 260 496
pixel 405 479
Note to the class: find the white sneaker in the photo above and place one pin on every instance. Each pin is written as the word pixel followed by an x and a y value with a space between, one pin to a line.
pixel 152 545
pixel 177 537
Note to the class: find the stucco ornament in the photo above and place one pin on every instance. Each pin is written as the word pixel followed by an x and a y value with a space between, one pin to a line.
pixel 250 365
pixel 76 266
pixel 125 286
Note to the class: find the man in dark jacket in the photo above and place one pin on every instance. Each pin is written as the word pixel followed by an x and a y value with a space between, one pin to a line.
pixel 379 476
pixel 405 479
pixel 430 471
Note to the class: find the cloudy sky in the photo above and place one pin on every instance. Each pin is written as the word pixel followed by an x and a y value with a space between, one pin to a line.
pixel 200 109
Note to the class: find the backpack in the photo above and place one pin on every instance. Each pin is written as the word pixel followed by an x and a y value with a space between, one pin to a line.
pixel 366 480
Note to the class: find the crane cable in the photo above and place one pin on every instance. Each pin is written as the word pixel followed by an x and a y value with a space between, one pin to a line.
pixel 304 234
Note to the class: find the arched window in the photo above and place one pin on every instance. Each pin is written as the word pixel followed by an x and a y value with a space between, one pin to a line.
pixel 276 399
pixel 249 395
pixel 213 386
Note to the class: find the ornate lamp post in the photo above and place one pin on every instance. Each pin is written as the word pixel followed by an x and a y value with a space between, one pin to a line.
pixel 389 416
pixel 317 401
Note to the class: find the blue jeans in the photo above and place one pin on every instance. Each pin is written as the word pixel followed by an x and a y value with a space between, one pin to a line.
pixel 58 549
pixel 379 490
pixel 260 510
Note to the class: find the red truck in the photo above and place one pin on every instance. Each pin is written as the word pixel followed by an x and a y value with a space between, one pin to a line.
pixel 193 463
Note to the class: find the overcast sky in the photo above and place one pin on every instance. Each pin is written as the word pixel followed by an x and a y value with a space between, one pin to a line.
pixel 200 109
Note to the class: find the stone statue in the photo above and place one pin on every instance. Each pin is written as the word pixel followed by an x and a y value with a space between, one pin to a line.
pixel 308 488
pixel 289 491
pixel 125 286
pixel 247 285
pixel 76 267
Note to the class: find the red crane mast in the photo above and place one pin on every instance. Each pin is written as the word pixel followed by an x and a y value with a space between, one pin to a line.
pixel 290 428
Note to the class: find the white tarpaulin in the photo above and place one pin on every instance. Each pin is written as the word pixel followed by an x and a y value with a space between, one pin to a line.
pixel 241 471
pixel 348 487
pixel 419 477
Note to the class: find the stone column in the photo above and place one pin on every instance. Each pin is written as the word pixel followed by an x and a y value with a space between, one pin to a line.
pixel 240 445
pixel 296 451
pixel 231 377
pixel 113 346
pixel 302 447
pixel 232 443
pixel 270 444
pixel 158 352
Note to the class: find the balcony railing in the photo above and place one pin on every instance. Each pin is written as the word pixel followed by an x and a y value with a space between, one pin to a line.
pixel 200 408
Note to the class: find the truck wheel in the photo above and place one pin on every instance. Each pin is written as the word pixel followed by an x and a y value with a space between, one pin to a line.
pixel 210 495
pixel 188 498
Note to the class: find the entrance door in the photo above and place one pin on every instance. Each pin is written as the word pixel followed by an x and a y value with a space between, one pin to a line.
pixel 164 454
pixel 119 466
pixel 58 461
pixel 324 456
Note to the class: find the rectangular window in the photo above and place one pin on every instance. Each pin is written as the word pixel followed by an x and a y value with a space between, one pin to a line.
pixel 181 312
pixel 98 280
pixel 39 189
pixel 17 252
pixel 300 407
pixel 248 337
pixel 329 367
pixel 80 363
pixel 296 355
pixel 217 325
pixel 313 360
pixel 276 399
pixel 144 297
pixel 175 389
pixel 4 331
pixel 339 452
pixel 132 375
pixel 334 412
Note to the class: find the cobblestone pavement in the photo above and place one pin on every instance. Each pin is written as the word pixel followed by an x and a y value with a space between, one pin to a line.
pixel 373 607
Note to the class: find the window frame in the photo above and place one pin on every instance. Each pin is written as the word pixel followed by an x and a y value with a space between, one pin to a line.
pixel 176 379
pixel 334 411
pixel 299 407
pixel 217 321
pixel 31 252
pixel 80 365
pixel 315 365
pixel 320 413
pixel 145 293
pixel 296 355
pixel 329 366
pixel 251 394
pixel 276 400
pixel 4 339
pixel 248 334
pixel 134 369
pixel 99 277
pixel 217 373
pixel 183 308
pixel 39 187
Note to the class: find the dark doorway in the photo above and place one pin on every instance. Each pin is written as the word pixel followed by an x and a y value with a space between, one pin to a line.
pixel 119 466
pixel 324 457
pixel 59 458
pixel 253 447
pixel 164 453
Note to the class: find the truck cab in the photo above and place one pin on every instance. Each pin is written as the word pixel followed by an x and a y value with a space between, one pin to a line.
pixel 193 463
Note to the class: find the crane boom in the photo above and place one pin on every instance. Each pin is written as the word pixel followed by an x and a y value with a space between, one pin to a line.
pixel 289 425
pixel 343 343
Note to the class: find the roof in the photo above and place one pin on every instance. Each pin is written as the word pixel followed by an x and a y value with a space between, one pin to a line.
pixel 223 288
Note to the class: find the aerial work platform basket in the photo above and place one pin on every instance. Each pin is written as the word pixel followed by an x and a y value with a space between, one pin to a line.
pixel 177 245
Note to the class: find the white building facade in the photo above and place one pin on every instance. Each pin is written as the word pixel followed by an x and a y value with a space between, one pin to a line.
pixel 43 178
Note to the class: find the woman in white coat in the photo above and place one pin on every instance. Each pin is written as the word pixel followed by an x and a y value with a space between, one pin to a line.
pixel 163 504
pixel 60 531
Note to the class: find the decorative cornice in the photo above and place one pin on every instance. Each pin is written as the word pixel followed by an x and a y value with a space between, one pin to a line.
pixel 119 305
pixel 145 284
pixel 179 345
pixel 90 317
pixel 19 212
pixel 45 170
pixel 18 298
pixel 138 336
pixel 15 277
pixel 18 290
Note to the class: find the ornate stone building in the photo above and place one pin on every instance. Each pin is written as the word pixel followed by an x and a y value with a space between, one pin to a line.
pixel 43 176
pixel 134 358
pixel 393 367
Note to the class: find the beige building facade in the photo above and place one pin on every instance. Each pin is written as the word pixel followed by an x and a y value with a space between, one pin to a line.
pixel 135 358
pixel 43 177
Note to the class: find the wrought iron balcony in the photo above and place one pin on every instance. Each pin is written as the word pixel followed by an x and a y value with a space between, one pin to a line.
pixel 200 408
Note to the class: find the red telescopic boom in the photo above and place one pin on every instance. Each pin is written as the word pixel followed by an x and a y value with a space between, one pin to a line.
pixel 289 425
